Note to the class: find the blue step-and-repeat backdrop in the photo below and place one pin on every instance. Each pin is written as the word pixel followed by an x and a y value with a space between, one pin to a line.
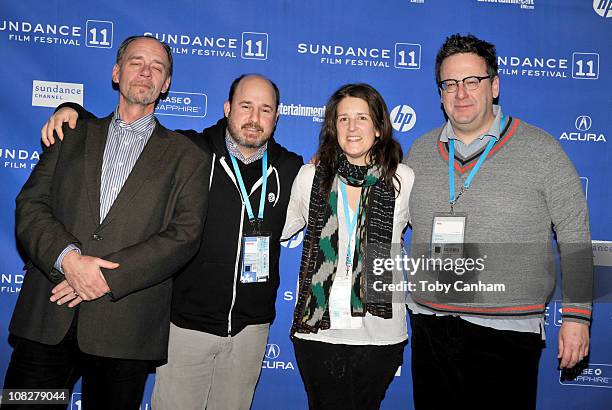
pixel 555 61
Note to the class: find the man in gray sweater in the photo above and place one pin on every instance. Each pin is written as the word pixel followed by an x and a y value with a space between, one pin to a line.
pixel 488 188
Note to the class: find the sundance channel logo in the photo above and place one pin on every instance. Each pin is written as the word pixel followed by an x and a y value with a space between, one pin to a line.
pixel 249 45
pixel 594 375
pixel 94 33
pixel 272 360
pixel 183 104
pixel 403 56
pixel 52 93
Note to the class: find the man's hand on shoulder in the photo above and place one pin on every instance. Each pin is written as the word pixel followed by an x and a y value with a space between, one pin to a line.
pixel 55 122
pixel 83 274
pixel 573 343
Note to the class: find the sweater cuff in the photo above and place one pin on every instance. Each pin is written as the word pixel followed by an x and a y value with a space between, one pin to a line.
pixel 580 313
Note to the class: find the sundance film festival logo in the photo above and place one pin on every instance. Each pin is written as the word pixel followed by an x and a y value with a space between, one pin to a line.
pixel 603 7
pixel 183 104
pixel 584 66
pixel 251 45
pixel 97 33
pixel 404 56
pixel 11 282
pixel 403 118
pixel 583 132
pixel 19 158
pixel 271 361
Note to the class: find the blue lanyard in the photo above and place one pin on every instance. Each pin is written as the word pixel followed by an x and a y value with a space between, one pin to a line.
pixel 245 196
pixel 468 181
pixel 350 225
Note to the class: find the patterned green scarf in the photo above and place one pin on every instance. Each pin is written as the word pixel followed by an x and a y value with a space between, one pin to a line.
pixel 320 252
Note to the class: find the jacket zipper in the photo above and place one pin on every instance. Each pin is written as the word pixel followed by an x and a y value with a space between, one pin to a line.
pixel 239 247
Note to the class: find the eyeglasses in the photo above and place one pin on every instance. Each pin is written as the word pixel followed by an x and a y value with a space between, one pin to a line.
pixel 469 83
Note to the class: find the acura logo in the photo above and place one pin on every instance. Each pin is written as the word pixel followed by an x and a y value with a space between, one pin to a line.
pixel 272 351
pixel 583 123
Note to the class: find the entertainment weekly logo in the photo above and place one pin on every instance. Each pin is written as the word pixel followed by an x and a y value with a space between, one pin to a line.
pixel 523 4
pixel 93 33
pixel 304 111
pixel 580 66
pixel 402 56
pixel 248 45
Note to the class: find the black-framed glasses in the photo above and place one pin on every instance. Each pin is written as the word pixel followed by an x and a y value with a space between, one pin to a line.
pixel 469 83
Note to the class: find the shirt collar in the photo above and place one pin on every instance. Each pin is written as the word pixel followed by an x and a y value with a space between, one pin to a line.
pixel 494 131
pixel 141 126
pixel 232 147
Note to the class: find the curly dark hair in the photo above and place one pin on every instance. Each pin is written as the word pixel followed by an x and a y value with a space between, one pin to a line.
pixel 386 151
pixel 458 44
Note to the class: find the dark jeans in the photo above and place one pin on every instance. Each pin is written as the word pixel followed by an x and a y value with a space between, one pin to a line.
pixel 459 365
pixel 347 377
pixel 107 383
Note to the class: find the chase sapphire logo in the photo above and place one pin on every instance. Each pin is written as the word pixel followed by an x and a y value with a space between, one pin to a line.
pixel 183 104
pixel 272 351
pixel 594 375
pixel 403 118
pixel 583 123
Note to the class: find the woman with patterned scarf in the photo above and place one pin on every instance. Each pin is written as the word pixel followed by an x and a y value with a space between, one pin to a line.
pixel 348 342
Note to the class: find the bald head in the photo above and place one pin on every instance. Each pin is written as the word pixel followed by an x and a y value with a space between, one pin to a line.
pixel 251 112
pixel 238 80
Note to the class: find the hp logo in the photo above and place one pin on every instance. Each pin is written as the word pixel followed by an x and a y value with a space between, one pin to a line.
pixel 603 7
pixel 403 118
pixel 295 241
pixel 583 123
pixel 272 351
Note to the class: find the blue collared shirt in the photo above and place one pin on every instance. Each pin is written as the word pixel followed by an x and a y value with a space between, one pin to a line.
pixel 124 144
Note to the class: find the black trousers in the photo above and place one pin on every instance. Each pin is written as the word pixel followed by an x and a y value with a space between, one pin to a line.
pixel 339 377
pixel 459 365
pixel 107 383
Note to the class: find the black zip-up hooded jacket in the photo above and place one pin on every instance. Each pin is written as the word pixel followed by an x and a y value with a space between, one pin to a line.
pixel 208 295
